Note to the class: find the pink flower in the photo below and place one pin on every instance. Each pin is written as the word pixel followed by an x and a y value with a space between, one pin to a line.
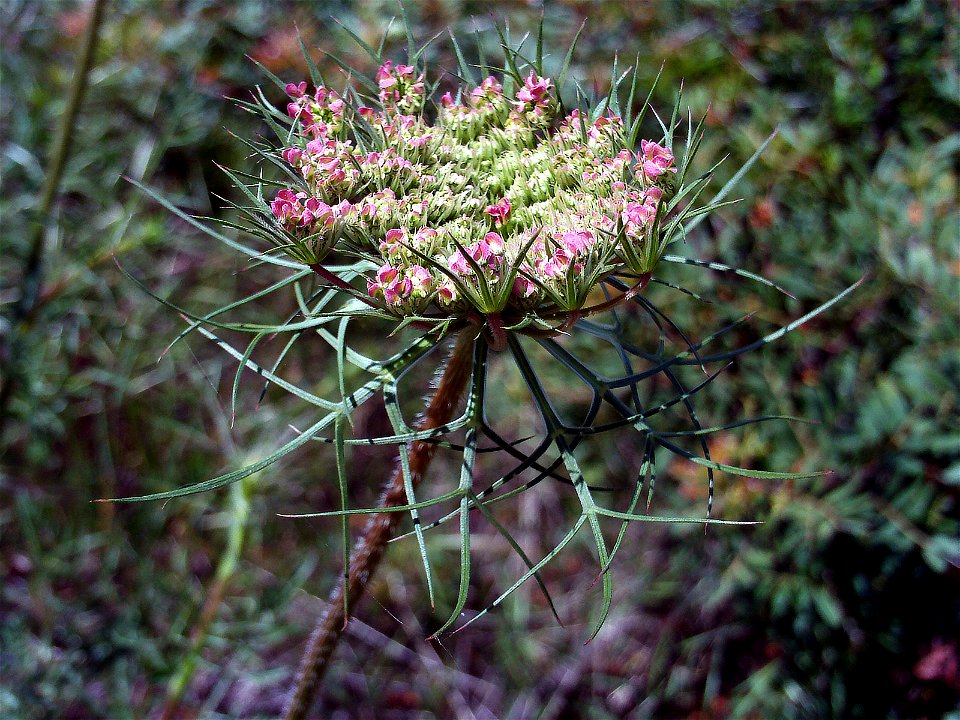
pixel 500 211
pixel 296 90
pixel 552 268
pixel 341 210
pixel 395 287
pixel 534 88
pixel 296 211
pixel 392 244
pixel 446 99
pixel 487 90
pixel 296 110
pixel 384 72
pixel 420 141
pixel 391 294
pixel 420 279
pixel 397 290
pixel 285 206
pixel 446 293
pixel 316 113
pixel 479 251
pixel 317 146
pixel 425 236
pixel 577 241
pixel 656 160
pixel 637 215
pixel 315 210
pixel 458 264
pixel 398 86
pixel 387 274
pixel 328 165
pixel 522 287
pixel 494 242
pixel 292 155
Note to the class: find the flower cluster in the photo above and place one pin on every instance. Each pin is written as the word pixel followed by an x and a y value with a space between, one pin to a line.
pixel 535 100
pixel 320 114
pixel 498 205
pixel 400 87
pixel 655 162
pixel 309 221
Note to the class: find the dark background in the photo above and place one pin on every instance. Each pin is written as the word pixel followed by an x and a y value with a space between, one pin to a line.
pixel 844 603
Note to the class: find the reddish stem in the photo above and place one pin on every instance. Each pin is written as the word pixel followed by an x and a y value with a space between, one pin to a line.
pixel 613 302
pixel 572 317
pixel 498 336
pixel 339 282
pixel 370 547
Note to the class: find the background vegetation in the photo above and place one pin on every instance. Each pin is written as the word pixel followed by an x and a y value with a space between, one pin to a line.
pixel 845 603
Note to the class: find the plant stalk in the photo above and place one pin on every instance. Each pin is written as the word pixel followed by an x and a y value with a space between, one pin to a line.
pixel 32 273
pixel 370 547
pixel 240 495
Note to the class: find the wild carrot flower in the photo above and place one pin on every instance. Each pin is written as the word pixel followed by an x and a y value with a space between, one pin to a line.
pixel 504 217
pixel 566 208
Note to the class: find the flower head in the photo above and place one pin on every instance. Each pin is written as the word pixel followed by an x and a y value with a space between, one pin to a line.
pixel 493 207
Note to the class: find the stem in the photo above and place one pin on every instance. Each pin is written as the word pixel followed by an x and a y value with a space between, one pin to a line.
pixel 339 282
pixel 370 547
pixel 498 336
pixel 32 277
pixel 613 302
pixel 240 493
pixel 574 316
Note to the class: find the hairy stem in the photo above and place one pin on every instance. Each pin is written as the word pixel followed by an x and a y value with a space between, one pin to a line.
pixel 498 336
pixel 370 548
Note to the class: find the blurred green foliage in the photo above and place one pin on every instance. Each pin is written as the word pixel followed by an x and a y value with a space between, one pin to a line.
pixel 845 603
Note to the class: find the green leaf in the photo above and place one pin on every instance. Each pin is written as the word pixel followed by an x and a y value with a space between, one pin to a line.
pixel 315 77
pixel 408 28
pixel 465 70
pixel 568 58
pixel 234 475
pixel 374 54
pixel 467 465
pixel 732 182
pixel 236 379
pixel 213 233
pixel 530 573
